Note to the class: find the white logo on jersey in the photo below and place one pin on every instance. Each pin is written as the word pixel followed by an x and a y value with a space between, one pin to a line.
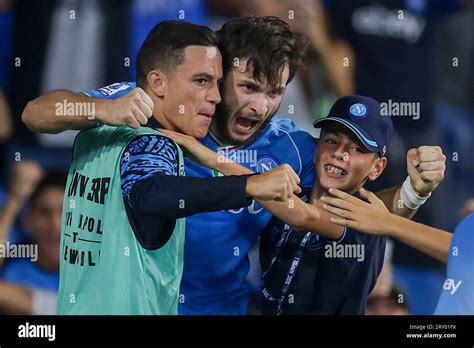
pixel 264 163
pixel 251 209
pixel 113 88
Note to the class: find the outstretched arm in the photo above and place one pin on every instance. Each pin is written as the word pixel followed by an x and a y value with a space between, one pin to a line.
pixel 293 211
pixel 62 110
pixel 372 217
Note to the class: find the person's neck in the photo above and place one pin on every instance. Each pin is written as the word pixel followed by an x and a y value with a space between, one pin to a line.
pixel 317 192
pixel 158 116
pixel 215 133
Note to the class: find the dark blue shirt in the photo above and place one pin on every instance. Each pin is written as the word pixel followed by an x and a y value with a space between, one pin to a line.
pixel 332 278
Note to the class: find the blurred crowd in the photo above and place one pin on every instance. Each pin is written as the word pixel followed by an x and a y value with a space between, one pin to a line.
pixel 397 51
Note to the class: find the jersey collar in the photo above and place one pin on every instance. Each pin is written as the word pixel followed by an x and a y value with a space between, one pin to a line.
pixel 220 144
pixel 153 123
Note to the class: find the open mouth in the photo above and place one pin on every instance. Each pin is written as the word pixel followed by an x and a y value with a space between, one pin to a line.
pixel 244 125
pixel 334 172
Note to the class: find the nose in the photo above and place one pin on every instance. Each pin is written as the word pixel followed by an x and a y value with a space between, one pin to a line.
pixel 259 105
pixel 214 95
pixel 340 153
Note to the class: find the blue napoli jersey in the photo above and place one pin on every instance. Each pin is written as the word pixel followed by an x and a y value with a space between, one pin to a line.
pixel 457 296
pixel 217 243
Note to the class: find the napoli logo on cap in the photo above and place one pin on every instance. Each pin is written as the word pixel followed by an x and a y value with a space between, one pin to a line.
pixel 358 110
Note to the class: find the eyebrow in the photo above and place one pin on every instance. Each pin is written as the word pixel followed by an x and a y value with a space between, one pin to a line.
pixel 252 83
pixel 255 85
pixel 356 142
pixel 327 131
pixel 279 89
pixel 206 75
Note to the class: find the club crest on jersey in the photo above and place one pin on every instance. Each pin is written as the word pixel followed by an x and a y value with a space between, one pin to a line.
pixel 265 163
pixel 314 242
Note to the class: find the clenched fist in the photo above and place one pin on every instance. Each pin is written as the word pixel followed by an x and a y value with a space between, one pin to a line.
pixel 426 166
pixel 277 184
pixel 133 109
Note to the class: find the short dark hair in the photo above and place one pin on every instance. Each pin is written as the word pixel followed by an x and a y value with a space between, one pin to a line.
pixel 165 44
pixel 268 44
pixel 52 178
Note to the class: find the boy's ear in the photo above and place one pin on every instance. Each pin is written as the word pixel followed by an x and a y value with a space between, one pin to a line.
pixel 377 168
pixel 157 82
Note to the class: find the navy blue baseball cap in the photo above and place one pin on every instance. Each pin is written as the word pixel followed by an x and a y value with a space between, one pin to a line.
pixel 363 117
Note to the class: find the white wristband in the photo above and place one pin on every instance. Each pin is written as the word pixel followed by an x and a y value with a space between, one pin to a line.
pixel 409 197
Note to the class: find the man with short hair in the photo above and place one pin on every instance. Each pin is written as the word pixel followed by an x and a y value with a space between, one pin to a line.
pixel 257 69
pixel 126 195
pixel 253 96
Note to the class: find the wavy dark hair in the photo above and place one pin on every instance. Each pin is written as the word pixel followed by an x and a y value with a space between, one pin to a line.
pixel 268 44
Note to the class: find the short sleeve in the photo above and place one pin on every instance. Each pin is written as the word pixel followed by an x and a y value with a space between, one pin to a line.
pixel 113 91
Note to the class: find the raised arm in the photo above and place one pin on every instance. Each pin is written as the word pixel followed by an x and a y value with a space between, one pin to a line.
pixel 425 166
pixel 42 114
pixel 337 57
pixel 25 176
pixel 62 110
